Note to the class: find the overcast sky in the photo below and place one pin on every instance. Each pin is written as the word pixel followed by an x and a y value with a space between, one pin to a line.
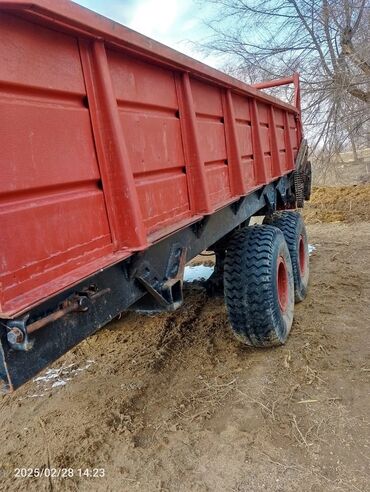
pixel 172 22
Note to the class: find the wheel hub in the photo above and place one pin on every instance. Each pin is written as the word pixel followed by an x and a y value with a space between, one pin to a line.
pixel 302 255
pixel 282 283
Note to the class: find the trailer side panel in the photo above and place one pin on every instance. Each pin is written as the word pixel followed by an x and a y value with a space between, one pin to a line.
pixel 105 150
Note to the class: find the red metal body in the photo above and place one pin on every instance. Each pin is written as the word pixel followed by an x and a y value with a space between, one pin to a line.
pixel 110 141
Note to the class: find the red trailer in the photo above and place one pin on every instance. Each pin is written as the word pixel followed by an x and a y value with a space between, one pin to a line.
pixel 122 159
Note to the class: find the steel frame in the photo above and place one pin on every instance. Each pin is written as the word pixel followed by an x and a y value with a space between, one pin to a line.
pixel 148 280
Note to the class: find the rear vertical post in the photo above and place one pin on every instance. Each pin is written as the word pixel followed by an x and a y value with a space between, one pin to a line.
pixel 117 178
pixel 259 157
pixel 275 152
pixel 297 104
pixel 197 178
pixel 232 144
pixel 288 144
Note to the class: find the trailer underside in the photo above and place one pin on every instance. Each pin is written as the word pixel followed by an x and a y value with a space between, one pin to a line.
pixel 121 161
pixel 148 281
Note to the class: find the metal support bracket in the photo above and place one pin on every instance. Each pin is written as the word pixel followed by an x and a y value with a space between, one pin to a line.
pixel 17 334
pixel 198 227
pixel 166 292
pixel 18 330
pixel 270 199
pixel 235 207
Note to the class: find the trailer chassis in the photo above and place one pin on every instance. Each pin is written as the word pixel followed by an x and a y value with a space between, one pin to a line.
pixel 148 281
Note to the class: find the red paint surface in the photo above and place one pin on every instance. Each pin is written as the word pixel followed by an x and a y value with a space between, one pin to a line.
pixel 282 284
pixel 107 146
pixel 302 255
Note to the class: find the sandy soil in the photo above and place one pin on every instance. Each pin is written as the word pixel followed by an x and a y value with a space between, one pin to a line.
pixel 173 402
pixel 338 203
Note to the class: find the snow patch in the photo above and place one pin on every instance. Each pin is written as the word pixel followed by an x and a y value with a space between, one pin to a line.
pixel 56 378
pixel 311 249
pixel 197 272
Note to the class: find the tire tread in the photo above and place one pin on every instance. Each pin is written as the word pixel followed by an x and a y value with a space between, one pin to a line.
pixel 247 283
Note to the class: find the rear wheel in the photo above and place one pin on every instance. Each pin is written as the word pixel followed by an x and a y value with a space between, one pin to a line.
pixel 259 287
pixel 292 226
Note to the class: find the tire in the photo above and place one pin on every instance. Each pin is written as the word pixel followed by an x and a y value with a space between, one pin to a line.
pixel 258 286
pixel 292 226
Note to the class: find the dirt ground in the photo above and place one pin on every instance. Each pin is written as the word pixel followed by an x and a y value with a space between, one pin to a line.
pixel 173 402
pixel 338 203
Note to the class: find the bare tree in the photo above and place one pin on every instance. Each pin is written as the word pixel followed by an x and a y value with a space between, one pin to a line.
pixel 327 41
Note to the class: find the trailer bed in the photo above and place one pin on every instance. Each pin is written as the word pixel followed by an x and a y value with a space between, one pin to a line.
pixel 111 141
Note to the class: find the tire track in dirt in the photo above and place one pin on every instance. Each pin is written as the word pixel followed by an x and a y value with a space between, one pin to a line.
pixel 174 402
